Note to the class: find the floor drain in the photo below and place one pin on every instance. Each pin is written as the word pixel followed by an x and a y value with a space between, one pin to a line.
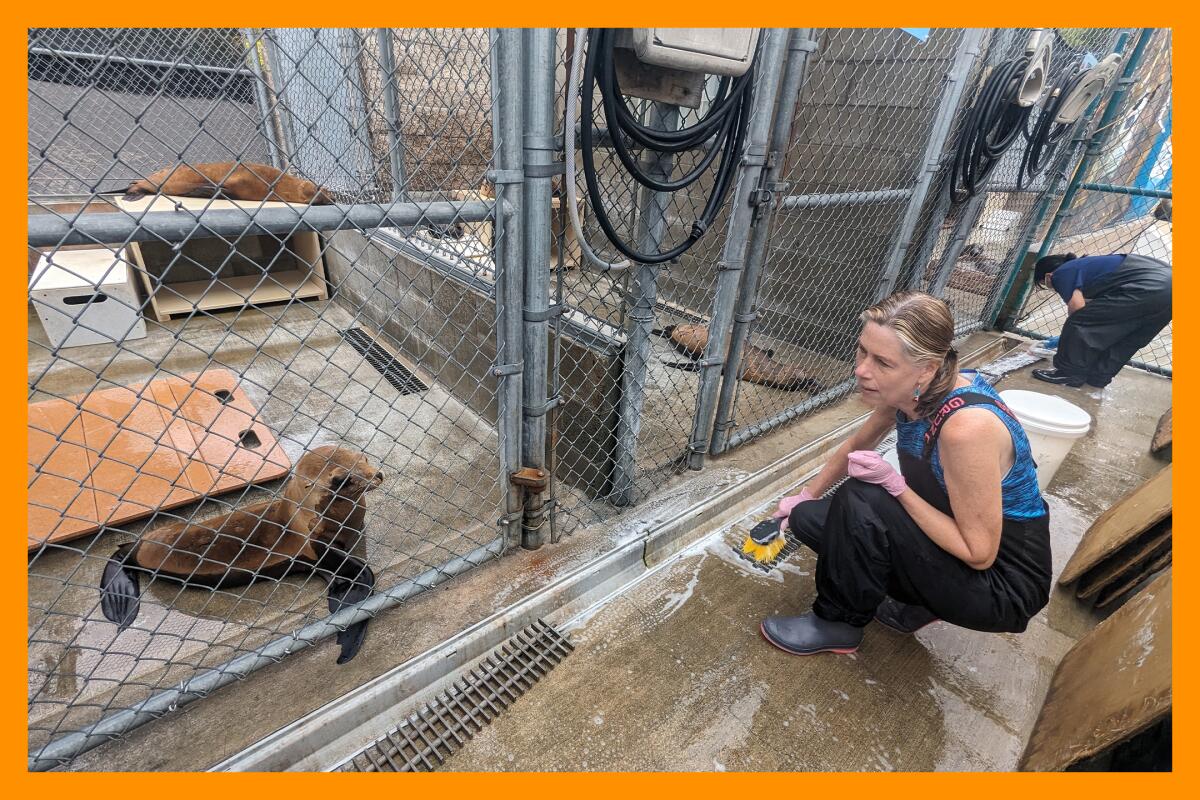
pixel 423 741
pixel 793 544
pixel 384 362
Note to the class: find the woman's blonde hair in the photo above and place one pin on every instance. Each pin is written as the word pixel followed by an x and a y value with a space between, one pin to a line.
pixel 925 328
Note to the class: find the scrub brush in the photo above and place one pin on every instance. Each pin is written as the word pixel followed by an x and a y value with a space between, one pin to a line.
pixel 766 539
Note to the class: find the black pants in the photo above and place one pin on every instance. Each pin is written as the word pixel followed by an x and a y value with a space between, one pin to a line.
pixel 869 547
pixel 1100 338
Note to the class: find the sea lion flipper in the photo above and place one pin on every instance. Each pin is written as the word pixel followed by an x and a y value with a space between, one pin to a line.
pixel 119 591
pixel 352 583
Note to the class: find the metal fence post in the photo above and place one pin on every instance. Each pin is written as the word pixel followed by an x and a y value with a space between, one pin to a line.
pixel 391 108
pixel 260 96
pixel 509 254
pixel 754 158
pixel 539 147
pixel 948 104
pixel 800 45
pixel 643 294
pixel 1094 148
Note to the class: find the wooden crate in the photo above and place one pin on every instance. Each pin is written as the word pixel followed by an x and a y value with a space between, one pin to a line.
pixel 189 288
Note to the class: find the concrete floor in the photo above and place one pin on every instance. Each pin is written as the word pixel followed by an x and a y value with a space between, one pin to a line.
pixel 673 675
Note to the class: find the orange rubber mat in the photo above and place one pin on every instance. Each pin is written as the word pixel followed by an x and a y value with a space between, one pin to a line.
pixel 117 455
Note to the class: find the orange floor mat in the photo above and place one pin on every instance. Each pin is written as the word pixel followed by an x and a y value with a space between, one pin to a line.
pixel 113 456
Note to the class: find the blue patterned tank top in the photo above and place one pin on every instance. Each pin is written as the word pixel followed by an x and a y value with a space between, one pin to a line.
pixel 1019 490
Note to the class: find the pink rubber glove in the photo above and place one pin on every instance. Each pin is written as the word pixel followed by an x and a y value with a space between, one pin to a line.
pixel 869 466
pixel 788 503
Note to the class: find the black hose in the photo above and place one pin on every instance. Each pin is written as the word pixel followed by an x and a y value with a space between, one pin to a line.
pixel 1047 134
pixel 992 125
pixel 722 130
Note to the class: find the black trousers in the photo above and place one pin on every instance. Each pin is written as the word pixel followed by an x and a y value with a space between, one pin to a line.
pixel 1133 306
pixel 868 547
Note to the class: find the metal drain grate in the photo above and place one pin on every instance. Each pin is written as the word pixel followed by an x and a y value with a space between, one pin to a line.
pixel 422 742
pixel 793 544
pixel 384 362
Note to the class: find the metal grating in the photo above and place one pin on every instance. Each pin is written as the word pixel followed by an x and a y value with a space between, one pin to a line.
pixel 793 544
pixel 429 736
pixel 384 362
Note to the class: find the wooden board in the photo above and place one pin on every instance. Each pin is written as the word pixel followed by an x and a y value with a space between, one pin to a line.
pixel 1122 523
pixel 116 455
pixel 1114 683
pixel 1116 591
pixel 1162 433
pixel 1124 560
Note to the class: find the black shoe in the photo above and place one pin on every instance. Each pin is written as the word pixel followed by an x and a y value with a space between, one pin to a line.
pixel 1054 376
pixel 902 617
pixel 808 635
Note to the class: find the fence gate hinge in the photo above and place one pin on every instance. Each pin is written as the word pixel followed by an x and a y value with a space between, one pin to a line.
pixel 532 478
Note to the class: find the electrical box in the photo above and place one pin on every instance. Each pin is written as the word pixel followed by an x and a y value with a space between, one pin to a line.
pixel 714 51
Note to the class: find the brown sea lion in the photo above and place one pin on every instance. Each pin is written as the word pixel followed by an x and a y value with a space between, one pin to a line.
pixel 758 365
pixel 313 525
pixel 230 180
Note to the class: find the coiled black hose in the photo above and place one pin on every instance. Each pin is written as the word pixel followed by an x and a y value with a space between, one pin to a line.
pixel 1044 139
pixel 724 125
pixel 992 125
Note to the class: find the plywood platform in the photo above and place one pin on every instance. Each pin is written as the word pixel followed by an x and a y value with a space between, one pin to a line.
pixel 119 454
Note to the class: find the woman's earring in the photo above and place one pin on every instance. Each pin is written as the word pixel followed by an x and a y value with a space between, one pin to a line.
pixel 917 393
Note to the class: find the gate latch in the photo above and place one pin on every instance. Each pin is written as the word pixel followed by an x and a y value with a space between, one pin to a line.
pixel 532 478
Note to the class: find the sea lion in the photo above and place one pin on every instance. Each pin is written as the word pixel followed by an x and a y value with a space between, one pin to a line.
pixel 231 181
pixel 313 525
pixel 758 365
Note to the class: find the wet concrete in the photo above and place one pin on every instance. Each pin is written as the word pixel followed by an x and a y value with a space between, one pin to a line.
pixel 673 674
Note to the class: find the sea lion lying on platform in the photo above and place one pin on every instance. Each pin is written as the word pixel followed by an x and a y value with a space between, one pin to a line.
pixel 313 525
pixel 758 365
pixel 230 181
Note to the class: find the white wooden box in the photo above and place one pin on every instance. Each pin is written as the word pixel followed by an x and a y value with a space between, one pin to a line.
pixel 204 277
pixel 86 297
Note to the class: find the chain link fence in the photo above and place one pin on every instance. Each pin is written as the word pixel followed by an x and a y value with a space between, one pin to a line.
pixel 324 374
pixel 1120 199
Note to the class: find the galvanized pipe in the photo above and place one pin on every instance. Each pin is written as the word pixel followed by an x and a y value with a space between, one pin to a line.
pixel 969 48
pixel 539 147
pixel 144 62
pixel 260 95
pixel 639 321
pixel 1135 191
pixel 795 202
pixel 51 230
pixel 800 45
pixel 62 750
pixel 733 256
pixel 510 263
pixel 391 108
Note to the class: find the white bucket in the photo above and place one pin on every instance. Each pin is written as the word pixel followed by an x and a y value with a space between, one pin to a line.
pixel 1052 425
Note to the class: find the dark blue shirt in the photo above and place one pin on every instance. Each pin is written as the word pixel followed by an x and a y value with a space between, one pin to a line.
pixel 1079 273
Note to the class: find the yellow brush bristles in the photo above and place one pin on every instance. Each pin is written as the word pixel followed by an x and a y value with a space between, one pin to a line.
pixel 764 552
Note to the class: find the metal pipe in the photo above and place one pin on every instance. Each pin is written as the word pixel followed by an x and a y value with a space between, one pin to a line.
pixel 509 256
pixel 795 202
pixel 1136 191
pixel 260 95
pixel 1094 149
pixel 962 231
pixel 952 91
pixel 51 230
pixel 539 148
pixel 800 45
pixel 62 750
pixel 651 224
pixel 391 108
pixel 271 62
pixel 733 256
pixel 144 62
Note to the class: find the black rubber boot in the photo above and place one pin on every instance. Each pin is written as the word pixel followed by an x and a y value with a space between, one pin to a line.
pixel 808 635
pixel 903 618
pixel 1054 376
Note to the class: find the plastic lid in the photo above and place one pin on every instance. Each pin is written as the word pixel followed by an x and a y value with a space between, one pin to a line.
pixel 1046 412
